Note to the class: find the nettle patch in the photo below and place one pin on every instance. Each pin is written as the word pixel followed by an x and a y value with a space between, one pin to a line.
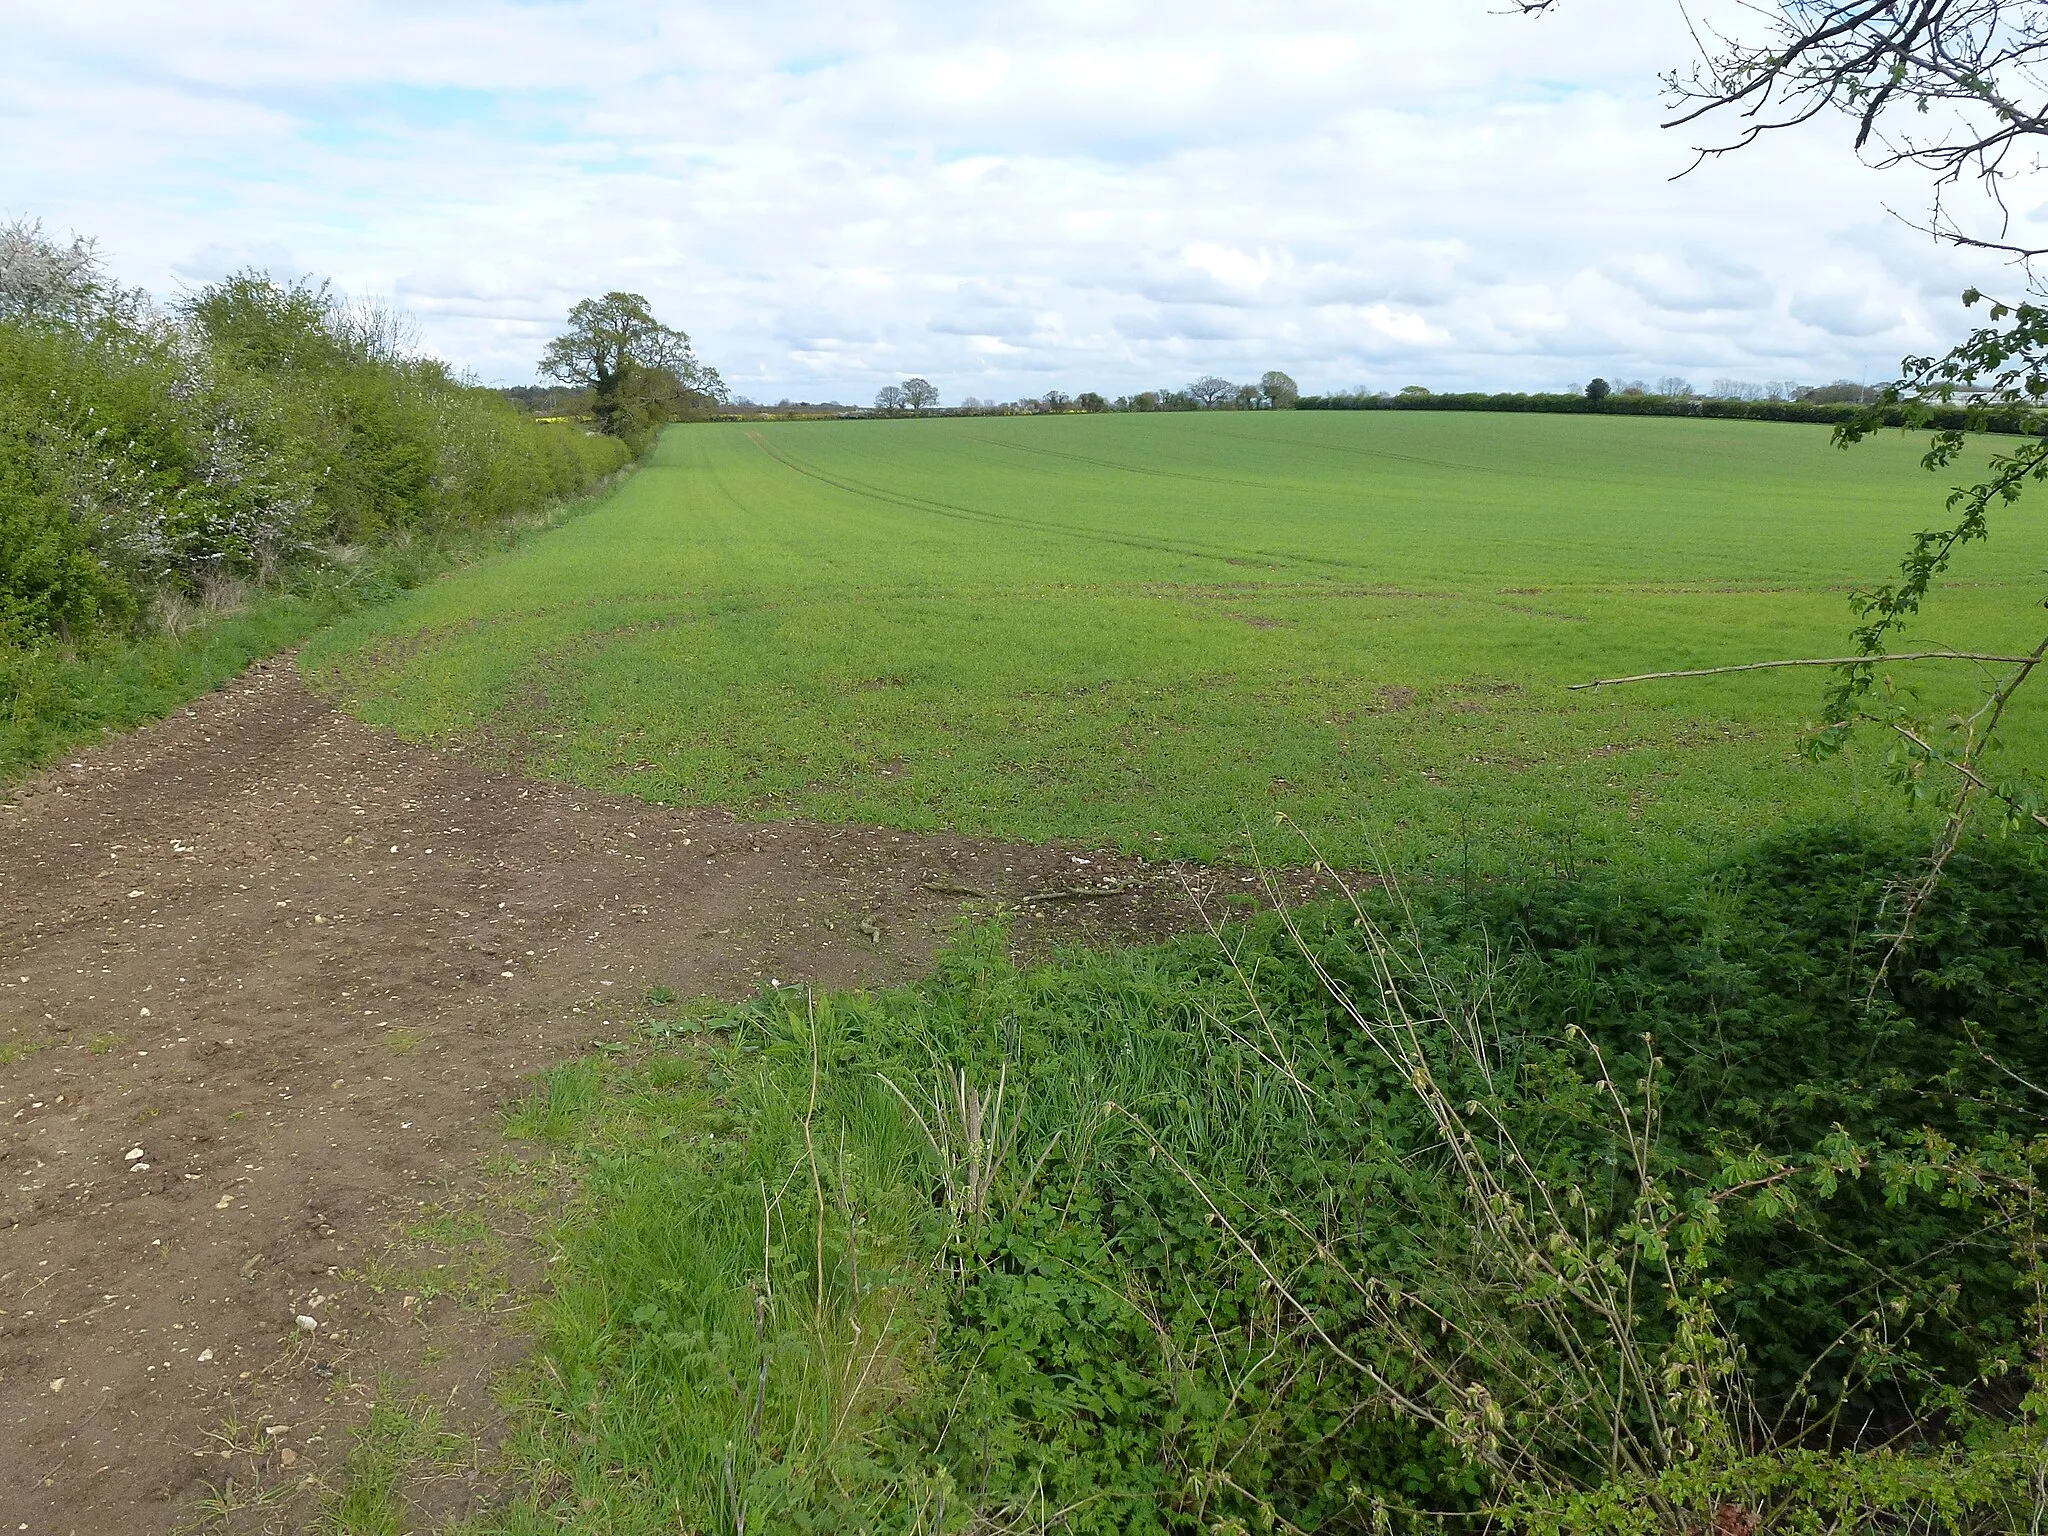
pixel 1572 1204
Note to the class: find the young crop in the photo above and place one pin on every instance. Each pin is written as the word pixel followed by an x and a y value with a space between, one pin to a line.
pixel 1142 629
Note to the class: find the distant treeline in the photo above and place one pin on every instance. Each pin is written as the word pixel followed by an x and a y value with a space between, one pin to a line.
pixel 1992 419
pixel 1825 405
pixel 153 457
pixel 551 400
pixel 919 397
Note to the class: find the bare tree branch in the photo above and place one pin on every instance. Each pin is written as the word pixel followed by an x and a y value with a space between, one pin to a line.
pixel 1804 661
pixel 1958 88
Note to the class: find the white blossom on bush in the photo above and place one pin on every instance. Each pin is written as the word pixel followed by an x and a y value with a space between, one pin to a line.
pixel 45 281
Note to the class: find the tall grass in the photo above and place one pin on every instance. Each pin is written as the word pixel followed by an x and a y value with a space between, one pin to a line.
pixel 759 1296
pixel 1369 1218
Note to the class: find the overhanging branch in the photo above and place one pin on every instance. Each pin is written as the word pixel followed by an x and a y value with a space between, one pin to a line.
pixel 1807 661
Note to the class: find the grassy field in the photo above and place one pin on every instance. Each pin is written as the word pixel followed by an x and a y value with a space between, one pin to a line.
pixel 1172 1240
pixel 1158 631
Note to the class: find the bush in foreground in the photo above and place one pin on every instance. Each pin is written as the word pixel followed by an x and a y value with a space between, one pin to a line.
pixel 1378 1217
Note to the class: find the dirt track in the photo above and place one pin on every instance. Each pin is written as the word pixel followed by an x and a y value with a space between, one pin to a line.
pixel 266 978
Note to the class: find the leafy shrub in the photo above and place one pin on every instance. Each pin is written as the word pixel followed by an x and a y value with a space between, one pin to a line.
pixel 51 582
pixel 1197 1253
pixel 256 424
pixel 1764 1001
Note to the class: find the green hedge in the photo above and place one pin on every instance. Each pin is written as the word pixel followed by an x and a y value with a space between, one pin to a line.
pixel 258 426
pixel 2009 421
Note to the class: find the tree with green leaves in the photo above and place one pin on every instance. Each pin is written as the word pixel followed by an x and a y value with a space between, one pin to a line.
pixel 640 373
pixel 1957 89
pixel 919 394
pixel 1277 391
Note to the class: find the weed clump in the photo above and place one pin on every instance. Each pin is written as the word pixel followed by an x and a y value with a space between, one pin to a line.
pixel 1575 1204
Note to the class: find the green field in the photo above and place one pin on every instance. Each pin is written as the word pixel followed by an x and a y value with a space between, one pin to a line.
pixel 1143 1241
pixel 1158 631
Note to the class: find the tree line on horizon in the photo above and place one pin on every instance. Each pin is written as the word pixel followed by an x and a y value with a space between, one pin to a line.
pixel 1672 387
pixel 1275 390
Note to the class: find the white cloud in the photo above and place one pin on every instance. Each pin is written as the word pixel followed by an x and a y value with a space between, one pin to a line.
pixel 1694 282
pixel 1107 195
pixel 1231 271
pixel 1403 327
pixel 1851 304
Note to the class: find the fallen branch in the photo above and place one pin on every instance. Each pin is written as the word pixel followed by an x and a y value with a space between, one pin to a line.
pixel 1810 661
pixel 1082 892
pixel 1059 893
pixel 954 888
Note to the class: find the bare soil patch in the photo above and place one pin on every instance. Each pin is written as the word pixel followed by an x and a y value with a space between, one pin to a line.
pixel 267 978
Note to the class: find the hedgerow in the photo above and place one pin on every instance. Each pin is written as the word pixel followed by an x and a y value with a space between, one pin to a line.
pixel 150 455
pixel 1999 418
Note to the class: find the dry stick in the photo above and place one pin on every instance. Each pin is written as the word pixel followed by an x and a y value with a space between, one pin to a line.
pixel 852 1230
pixel 949 1171
pixel 732 1494
pixel 1965 765
pixel 1973 784
pixel 761 1315
pixel 1280 1521
pixel 2008 1071
pixel 1501 1213
pixel 1508 1223
pixel 759 1411
pixel 854 1329
pixel 1962 766
pixel 955 888
pixel 1081 892
pixel 1808 661
pixel 868 1365
pixel 1279 1286
pixel 1058 893
pixel 1410 1405
pixel 1282 1065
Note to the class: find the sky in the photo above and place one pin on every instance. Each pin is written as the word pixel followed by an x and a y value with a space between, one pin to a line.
pixel 1002 199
